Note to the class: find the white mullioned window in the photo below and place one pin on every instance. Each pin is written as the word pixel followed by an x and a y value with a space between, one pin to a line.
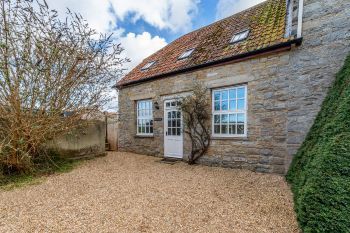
pixel 144 117
pixel 240 36
pixel 230 112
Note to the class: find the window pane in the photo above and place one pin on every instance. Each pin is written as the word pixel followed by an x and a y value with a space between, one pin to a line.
pixel 233 105
pixel 241 92
pixel 217 106
pixel 216 95
pixel 224 118
pixel 173 131
pixel 173 114
pixel 232 129
pixel 178 131
pixel 173 123
pixel 178 123
pixel 240 118
pixel 240 104
pixel 178 114
pixel 240 129
pixel 224 95
pixel 216 119
pixel 143 130
pixel 169 115
pixel 168 104
pixel 169 123
pixel 224 129
pixel 151 129
pixel 217 129
pixel 224 105
pixel 233 94
pixel 232 118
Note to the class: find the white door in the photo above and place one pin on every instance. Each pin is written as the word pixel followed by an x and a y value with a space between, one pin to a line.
pixel 173 138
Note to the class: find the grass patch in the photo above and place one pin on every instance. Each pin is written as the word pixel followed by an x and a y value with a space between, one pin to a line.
pixel 320 171
pixel 41 169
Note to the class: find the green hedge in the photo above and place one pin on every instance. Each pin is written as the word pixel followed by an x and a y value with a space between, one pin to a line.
pixel 320 171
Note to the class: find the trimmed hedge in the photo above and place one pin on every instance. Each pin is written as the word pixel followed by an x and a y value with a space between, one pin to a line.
pixel 320 171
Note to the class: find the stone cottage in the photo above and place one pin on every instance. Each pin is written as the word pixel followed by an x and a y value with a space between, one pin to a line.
pixel 268 69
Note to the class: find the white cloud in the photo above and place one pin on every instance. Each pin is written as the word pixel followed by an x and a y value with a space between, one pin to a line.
pixel 102 15
pixel 175 15
pixel 94 11
pixel 226 8
pixel 138 47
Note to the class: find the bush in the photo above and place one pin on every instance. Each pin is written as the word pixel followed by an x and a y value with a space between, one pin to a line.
pixel 320 172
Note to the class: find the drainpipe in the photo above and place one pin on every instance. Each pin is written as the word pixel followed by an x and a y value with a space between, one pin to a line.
pixel 300 18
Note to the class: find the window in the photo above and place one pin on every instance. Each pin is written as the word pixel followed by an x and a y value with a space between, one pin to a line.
pixel 148 65
pixel 144 117
pixel 186 54
pixel 173 118
pixel 239 36
pixel 230 112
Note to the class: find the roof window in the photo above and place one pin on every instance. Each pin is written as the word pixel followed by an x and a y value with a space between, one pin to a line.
pixel 148 65
pixel 186 54
pixel 240 36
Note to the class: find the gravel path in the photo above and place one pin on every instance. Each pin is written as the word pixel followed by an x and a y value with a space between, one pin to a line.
pixel 124 192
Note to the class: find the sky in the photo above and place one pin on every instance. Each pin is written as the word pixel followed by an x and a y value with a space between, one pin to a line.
pixel 145 26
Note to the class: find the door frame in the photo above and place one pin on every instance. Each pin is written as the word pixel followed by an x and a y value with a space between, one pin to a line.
pixel 165 128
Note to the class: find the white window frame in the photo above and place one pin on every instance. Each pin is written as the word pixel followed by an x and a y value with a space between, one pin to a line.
pixel 240 36
pixel 148 65
pixel 228 111
pixel 186 54
pixel 144 117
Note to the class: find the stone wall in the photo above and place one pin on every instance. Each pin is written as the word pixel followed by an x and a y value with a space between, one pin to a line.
pixel 285 92
pixel 87 141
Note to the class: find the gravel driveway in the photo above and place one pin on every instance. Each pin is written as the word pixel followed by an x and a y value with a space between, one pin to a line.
pixel 124 192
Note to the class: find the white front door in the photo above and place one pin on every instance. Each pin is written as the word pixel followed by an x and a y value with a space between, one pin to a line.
pixel 173 138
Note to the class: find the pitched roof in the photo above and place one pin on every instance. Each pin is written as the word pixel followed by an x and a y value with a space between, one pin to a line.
pixel 266 22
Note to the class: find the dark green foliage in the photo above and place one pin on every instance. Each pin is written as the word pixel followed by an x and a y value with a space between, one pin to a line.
pixel 320 172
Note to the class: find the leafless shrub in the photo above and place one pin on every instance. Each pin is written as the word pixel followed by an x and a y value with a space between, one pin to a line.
pixel 196 117
pixel 52 72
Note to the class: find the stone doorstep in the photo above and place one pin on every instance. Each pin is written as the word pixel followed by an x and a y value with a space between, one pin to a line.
pixel 170 161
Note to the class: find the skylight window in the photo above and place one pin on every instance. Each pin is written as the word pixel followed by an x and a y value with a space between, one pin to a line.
pixel 239 36
pixel 148 65
pixel 186 54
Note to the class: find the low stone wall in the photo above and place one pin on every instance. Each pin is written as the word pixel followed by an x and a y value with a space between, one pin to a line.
pixel 88 141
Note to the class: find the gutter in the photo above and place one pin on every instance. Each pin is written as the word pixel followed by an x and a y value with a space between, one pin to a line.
pixel 296 41
pixel 300 18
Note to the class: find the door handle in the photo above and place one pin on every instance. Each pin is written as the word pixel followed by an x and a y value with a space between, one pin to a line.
pixel 166 133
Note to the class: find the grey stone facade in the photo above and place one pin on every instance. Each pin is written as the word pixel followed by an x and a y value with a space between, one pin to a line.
pixel 285 92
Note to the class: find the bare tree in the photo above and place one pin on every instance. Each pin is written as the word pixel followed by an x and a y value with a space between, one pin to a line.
pixel 196 116
pixel 48 68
